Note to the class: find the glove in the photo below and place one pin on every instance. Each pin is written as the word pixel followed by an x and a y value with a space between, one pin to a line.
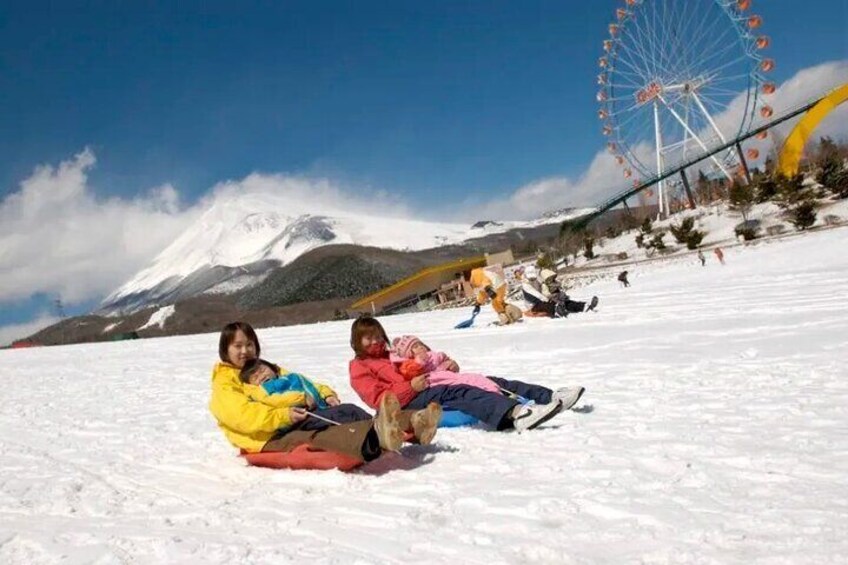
pixel 491 292
pixel 476 309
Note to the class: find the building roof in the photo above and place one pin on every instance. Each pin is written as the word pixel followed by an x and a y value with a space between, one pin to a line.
pixel 464 264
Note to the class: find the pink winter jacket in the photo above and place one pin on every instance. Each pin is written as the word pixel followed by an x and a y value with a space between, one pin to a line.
pixel 436 363
pixel 438 378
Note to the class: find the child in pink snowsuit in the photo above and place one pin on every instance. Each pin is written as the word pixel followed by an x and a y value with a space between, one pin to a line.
pixel 414 358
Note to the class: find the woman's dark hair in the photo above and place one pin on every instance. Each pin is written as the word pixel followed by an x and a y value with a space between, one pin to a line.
pixel 365 325
pixel 228 335
pixel 251 365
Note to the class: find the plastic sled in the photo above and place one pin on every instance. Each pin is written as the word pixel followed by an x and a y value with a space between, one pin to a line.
pixel 456 419
pixel 467 323
pixel 302 457
pixel 532 314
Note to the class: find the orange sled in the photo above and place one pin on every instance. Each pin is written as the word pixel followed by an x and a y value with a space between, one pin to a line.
pixel 532 314
pixel 302 457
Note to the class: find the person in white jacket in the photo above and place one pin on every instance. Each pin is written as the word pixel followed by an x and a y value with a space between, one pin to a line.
pixel 542 292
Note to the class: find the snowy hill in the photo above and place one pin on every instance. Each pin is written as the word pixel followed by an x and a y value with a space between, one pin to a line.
pixel 719 223
pixel 238 239
pixel 712 431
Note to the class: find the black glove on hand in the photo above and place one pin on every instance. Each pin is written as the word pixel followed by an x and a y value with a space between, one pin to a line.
pixel 476 309
pixel 491 292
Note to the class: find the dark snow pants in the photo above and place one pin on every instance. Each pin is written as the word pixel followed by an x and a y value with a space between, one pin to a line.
pixel 537 393
pixel 355 437
pixel 491 408
pixel 571 306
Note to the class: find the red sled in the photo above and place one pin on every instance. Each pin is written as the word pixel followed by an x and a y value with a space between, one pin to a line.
pixel 301 458
pixel 532 314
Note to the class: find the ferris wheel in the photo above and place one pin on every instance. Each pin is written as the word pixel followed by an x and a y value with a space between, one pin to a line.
pixel 678 78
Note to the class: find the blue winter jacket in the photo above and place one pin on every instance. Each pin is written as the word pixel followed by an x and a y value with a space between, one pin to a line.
pixel 294 382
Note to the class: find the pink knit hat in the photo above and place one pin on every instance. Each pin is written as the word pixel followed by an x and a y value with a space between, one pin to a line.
pixel 402 346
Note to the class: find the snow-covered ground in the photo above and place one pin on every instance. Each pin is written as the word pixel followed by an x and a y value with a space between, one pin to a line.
pixel 714 430
pixel 717 221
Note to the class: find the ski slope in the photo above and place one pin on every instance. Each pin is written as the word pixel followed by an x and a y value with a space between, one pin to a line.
pixel 714 430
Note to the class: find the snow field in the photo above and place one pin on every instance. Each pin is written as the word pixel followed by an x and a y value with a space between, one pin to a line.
pixel 713 430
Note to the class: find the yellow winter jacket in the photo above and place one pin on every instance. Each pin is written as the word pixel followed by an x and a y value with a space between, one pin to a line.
pixel 248 415
pixel 492 276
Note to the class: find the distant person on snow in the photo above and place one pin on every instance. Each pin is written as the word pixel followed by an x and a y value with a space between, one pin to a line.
pixel 373 376
pixel 720 255
pixel 413 358
pixel 490 284
pixel 545 295
pixel 623 279
pixel 701 258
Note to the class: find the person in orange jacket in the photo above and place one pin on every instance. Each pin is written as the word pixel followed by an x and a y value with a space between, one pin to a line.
pixel 489 283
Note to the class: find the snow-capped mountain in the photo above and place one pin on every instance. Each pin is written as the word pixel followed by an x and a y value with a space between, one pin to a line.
pixel 239 239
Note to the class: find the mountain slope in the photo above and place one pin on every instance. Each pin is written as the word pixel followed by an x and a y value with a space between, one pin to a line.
pixel 239 240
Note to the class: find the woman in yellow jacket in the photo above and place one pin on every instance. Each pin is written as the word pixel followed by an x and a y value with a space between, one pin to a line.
pixel 490 283
pixel 255 421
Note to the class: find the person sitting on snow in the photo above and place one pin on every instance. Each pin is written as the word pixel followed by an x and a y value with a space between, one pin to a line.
pixel 304 398
pixel 373 375
pixel 490 284
pixel 413 358
pixel 545 296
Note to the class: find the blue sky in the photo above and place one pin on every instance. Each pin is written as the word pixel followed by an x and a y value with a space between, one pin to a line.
pixel 458 101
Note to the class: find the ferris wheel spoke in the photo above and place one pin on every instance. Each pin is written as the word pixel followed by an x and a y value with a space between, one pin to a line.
pixel 641 43
pixel 728 64
pixel 627 84
pixel 709 101
pixel 623 47
pixel 673 37
pixel 717 49
pixel 704 29
pixel 717 93
pixel 659 30
pixel 695 137
pixel 622 124
pixel 630 66
pixel 637 57
pixel 731 78
pixel 717 60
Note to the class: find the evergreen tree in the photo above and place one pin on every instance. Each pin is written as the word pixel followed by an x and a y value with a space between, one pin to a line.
pixel 803 215
pixel 742 198
pixel 588 244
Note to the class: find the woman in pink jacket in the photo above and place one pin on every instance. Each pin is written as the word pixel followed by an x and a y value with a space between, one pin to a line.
pixel 372 374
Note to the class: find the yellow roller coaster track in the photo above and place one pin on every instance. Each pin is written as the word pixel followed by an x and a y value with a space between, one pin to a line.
pixel 793 148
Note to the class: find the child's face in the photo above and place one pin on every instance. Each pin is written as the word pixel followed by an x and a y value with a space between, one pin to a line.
pixel 419 349
pixel 260 375
pixel 371 339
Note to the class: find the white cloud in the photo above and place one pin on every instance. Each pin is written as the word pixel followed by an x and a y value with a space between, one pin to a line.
pixel 604 178
pixel 57 238
pixel 803 87
pixel 13 332
pixel 308 195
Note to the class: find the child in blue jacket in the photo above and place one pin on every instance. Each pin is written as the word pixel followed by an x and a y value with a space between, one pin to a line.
pixel 299 394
